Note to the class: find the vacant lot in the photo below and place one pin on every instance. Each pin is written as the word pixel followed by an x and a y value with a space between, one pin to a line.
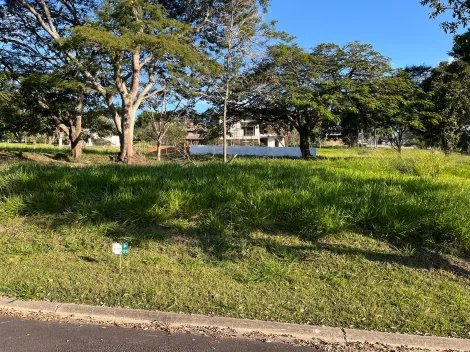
pixel 357 238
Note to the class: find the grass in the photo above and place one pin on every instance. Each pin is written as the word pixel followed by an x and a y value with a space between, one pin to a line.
pixel 53 149
pixel 357 238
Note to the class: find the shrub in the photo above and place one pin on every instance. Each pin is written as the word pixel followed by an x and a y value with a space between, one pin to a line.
pixel 101 142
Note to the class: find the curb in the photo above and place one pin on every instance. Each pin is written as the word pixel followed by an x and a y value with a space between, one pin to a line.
pixel 241 326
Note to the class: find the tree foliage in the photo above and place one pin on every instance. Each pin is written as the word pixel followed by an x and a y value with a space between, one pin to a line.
pixel 19 116
pixel 449 86
pixel 460 10
pixel 125 50
pixel 308 88
pixel 404 107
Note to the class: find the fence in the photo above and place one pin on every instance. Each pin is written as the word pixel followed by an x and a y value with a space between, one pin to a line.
pixel 289 152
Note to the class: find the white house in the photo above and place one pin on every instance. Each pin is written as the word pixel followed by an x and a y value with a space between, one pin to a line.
pixel 247 132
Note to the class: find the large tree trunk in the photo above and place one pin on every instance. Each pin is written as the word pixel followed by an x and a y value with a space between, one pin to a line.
pixel 76 144
pixel 305 143
pixel 399 141
pixel 127 136
pixel 75 126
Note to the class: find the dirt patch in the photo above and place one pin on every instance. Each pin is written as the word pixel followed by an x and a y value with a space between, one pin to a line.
pixel 44 158
pixel 7 156
pixel 461 265
pixel 55 159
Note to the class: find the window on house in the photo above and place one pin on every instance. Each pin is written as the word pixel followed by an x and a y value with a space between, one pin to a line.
pixel 249 131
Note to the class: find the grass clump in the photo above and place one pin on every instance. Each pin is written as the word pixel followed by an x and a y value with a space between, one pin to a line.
pixel 348 240
pixel 428 165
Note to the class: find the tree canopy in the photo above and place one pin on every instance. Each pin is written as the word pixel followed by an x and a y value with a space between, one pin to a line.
pixel 63 63
pixel 125 50
pixel 305 88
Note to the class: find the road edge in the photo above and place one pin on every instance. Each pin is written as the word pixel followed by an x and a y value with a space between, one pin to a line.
pixel 241 326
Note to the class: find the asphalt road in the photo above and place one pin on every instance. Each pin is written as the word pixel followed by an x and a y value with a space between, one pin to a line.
pixel 18 335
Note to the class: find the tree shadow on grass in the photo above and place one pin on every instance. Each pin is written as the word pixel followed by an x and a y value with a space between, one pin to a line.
pixel 419 258
pixel 220 206
pixel 51 149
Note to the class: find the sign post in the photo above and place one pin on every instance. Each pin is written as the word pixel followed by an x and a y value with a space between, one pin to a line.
pixel 120 249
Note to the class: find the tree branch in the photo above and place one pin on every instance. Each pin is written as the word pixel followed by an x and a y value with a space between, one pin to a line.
pixel 64 128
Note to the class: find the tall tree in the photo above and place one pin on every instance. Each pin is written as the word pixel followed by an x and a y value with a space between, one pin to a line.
pixel 138 44
pixel 461 47
pixel 10 110
pixel 418 73
pixel 306 88
pixel 404 107
pixel 241 35
pixel 119 49
pixel 31 53
pixel 18 116
pixel 64 104
pixel 356 123
pixel 453 110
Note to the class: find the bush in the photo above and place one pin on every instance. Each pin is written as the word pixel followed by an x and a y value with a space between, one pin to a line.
pixel 101 142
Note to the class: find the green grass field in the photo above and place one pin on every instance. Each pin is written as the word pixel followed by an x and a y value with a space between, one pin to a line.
pixel 357 238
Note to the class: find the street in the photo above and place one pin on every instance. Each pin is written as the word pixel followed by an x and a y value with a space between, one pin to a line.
pixel 17 335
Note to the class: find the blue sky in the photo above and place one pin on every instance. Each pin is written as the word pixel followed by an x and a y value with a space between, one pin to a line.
pixel 399 29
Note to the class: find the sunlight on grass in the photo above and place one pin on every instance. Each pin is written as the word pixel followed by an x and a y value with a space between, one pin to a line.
pixel 357 238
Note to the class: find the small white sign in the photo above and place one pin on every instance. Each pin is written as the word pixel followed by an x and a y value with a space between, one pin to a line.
pixel 117 248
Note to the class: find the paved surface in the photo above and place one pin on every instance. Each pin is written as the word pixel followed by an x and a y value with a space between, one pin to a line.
pixel 221 330
pixel 17 335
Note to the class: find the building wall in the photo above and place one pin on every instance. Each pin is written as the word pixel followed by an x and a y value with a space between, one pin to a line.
pixel 237 132
pixel 238 135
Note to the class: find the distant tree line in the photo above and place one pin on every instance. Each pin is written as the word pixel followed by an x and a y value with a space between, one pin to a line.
pixel 98 66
